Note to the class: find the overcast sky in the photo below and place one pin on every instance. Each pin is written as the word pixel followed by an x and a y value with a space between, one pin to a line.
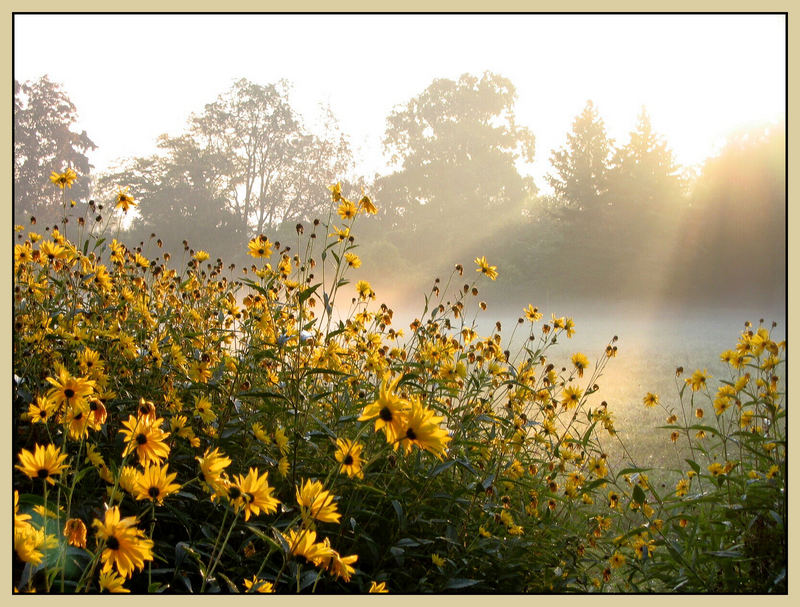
pixel 133 77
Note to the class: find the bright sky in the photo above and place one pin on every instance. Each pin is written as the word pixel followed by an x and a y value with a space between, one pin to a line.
pixel 133 77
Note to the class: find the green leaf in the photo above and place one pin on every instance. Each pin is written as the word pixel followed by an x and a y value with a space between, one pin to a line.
pixel 460 582
pixel 306 293
pixel 694 465
pixel 638 495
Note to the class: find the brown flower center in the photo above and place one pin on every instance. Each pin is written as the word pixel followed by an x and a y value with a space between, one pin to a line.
pixel 112 543
pixel 141 439
pixel 386 414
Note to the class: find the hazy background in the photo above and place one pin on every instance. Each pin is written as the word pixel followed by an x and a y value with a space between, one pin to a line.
pixel 625 170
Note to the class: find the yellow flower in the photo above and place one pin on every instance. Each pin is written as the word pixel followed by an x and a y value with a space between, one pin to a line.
pixel 532 314
pixel 336 191
pixel 317 503
pixel 29 542
pixel 389 409
pixel 20 520
pixel 304 544
pixel 346 210
pixel 376 588
pixel 716 469
pixel 682 488
pixel 348 454
pixel 201 256
pixel 581 362
pixel 617 560
pixel 75 532
pixel 124 200
pixel 366 204
pixel 64 179
pixel 572 396
pixel 259 247
pixel 352 260
pixel 650 399
pixel 337 565
pixel 437 560
pixel 364 290
pixel 126 547
pixel 485 268
pixel 111 582
pixel 155 484
pixel 212 465
pixel 146 438
pixel 252 494
pixel 698 379
pixel 422 429
pixel 67 389
pixel 43 463
pixel 258 585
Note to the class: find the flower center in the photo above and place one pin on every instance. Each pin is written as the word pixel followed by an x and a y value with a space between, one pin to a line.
pixel 112 543
pixel 69 392
pixel 43 473
pixel 234 493
pixel 411 434
pixel 348 460
pixel 153 492
pixel 386 414
pixel 141 439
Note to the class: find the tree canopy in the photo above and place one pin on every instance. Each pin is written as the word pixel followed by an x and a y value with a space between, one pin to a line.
pixel 44 142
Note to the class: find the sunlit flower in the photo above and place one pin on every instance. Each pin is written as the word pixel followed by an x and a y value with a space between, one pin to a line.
pixel 259 247
pixel 67 389
pixel 532 314
pixel 617 560
pixel 571 397
pixel 20 520
pixel 581 362
pixel 389 409
pixel 126 547
pixel 124 200
pixel 650 399
pixel 111 582
pixel 155 484
pixel 337 565
pixel 376 588
pixel 304 544
pixel 352 260
pixel 252 494
pixel 201 256
pixel 212 465
pixel 422 428
pixel 64 179
pixel 258 585
pixel 366 204
pixel 364 290
pixel 698 379
pixel 485 268
pixel 347 210
pixel 75 532
pixel 316 502
pixel 146 438
pixel 42 411
pixel 44 462
pixel 29 543
pixel 348 454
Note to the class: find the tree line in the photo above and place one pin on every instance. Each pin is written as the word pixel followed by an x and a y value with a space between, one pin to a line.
pixel 624 221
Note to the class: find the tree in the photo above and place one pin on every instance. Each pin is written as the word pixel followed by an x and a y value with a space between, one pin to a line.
pixel 457 144
pixel 644 173
pixel 279 171
pixel 454 148
pixel 581 166
pixel 45 142
pixel 181 196
pixel 733 237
